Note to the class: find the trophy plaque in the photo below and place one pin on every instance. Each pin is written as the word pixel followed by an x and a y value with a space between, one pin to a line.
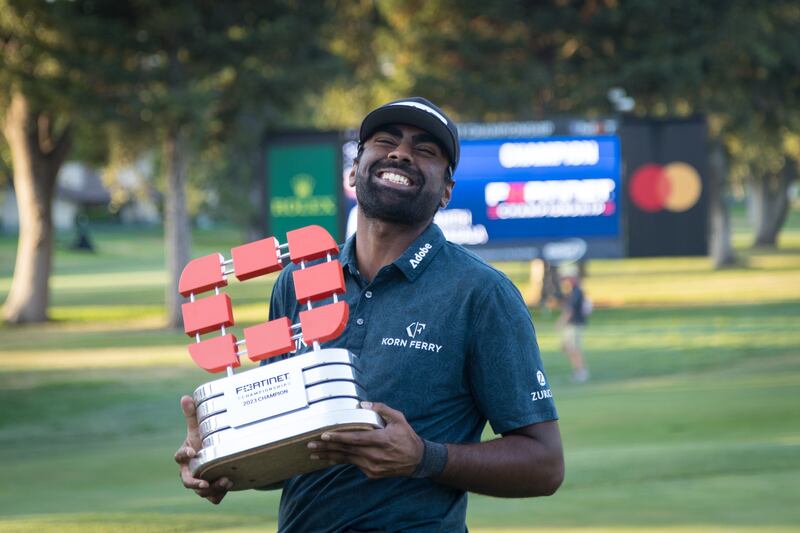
pixel 255 424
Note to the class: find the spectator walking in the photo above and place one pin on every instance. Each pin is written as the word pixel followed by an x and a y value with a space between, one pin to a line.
pixel 574 315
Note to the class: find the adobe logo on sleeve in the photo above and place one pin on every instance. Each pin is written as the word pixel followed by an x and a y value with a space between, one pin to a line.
pixel 675 187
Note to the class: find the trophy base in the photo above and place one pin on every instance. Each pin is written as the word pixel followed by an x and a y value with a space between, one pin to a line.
pixel 263 444
pixel 269 465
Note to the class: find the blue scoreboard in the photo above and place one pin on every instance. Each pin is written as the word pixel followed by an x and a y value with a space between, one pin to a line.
pixel 515 196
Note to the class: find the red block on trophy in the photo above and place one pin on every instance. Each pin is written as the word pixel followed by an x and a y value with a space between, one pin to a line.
pixel 318 281
pixel 309 243
pixel 201 275
pixel 269 339
pixel 255 259
pixel 207 314
pixel 214 355
pixel 324 323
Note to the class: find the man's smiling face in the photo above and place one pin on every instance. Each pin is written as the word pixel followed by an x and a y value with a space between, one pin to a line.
pixel 402 176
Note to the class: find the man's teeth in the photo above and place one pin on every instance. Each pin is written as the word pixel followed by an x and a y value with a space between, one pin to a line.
pixel 395 178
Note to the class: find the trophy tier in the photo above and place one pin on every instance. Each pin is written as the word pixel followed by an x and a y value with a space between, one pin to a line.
pixel 256 425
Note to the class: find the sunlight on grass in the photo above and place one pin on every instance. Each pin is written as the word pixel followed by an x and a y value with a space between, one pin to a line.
pixel 109 281
pixel 132 357
pixel 103 313
pixel 718 288
pixel 91 319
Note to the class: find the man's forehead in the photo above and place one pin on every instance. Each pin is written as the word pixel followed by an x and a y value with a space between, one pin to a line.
pixel 400 130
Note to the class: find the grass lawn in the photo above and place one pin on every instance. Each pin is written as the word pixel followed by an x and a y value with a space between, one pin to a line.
pixel 691 421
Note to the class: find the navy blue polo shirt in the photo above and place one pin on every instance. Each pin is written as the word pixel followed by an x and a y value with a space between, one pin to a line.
pixel 447 340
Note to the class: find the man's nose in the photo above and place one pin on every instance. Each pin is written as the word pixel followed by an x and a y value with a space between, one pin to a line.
pixel 402 152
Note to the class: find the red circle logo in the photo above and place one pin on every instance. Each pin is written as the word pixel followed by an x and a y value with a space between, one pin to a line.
pixel 674 187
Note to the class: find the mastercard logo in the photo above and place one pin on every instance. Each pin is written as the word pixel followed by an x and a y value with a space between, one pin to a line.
pixel 674 187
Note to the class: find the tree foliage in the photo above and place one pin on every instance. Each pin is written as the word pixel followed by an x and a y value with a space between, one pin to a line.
pixel 176 76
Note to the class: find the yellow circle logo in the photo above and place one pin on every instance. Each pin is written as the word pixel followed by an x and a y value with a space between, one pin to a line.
pixel 303 185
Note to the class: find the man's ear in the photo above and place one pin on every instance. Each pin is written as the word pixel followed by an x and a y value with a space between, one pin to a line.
pixel 351 178
pixel 447 194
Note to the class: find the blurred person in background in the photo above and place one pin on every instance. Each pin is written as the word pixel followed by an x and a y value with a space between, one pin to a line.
pixel 575 311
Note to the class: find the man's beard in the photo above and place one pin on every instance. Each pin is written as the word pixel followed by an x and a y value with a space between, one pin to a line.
pixel 409 208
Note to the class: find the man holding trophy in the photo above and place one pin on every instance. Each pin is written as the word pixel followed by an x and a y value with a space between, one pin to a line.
pixel 445 343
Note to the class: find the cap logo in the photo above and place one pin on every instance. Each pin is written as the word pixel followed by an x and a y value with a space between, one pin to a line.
pixel 423 107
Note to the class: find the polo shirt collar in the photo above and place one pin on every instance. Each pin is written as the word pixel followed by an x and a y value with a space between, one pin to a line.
pixel 419 255
pixel 413 261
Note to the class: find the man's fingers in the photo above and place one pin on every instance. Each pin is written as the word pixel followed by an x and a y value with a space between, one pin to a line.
pixel 353 438
pixel 190 413
pixel 368 452
pixel 339 458
pixel 203 488
pixel 218 488
pixel 211 495
pixel 185 454
pixel 191 482
pixel 223 484
pixel 369 467
pixel 216 499
pixel 193 437
pixel 386 412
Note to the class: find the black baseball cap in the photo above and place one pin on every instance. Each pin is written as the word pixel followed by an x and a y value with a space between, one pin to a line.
pixel 419 112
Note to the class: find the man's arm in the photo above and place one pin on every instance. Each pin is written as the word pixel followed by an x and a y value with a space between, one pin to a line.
pixel 526 462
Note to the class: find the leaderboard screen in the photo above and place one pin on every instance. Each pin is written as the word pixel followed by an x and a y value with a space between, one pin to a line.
pixel 526 192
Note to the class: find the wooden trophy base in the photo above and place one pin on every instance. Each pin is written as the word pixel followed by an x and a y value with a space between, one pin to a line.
pixel 273 463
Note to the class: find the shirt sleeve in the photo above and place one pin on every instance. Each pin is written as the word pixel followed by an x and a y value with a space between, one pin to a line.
pixel 282 298
pixel 504 366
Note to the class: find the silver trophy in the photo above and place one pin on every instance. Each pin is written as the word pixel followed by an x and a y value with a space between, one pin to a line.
pixel 256 424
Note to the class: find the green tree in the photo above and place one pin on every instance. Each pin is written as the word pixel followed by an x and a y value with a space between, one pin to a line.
pixel 759 106
pixel 176 74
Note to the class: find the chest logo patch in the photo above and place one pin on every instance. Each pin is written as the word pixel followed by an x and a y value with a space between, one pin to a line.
pixel 413 331
pixel 540 378
pixel 414 328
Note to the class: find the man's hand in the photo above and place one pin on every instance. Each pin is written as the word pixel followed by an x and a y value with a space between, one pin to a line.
pixel 213 492
pixel 395 450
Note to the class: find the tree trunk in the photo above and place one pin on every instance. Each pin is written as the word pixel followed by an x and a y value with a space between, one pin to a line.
pixel 721 247
pixel 178 234
pixel 768 202
pixel 37 155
